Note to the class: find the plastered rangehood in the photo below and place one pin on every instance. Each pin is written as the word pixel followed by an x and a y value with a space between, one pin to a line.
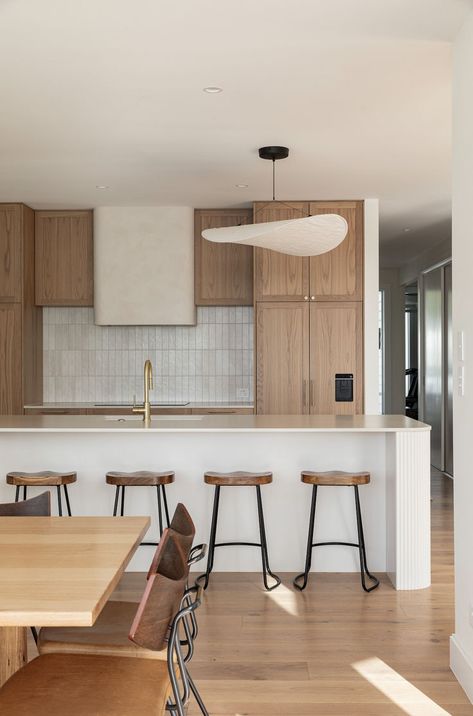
pixel 144 265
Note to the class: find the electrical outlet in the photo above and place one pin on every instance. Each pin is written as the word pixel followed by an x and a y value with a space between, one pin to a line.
pixel 243 393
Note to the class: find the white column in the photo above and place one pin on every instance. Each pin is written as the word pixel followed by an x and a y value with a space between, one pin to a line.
pixel 408 510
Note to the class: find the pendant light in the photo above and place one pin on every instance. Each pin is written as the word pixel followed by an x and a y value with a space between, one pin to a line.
pixel 308 236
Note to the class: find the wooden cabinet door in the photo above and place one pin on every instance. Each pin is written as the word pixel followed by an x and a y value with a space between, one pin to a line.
pixel 10 253
pixel 338 274
pixel 223 272
pixel 11 379
pixel 280 277
pixel 336 346
pixel 64 258
pixel 282 358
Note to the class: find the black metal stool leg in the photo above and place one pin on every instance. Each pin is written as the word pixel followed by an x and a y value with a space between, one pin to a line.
pixel 17 493
pixel 160 513
pixel 115 504
pixel 213 534
pixel 165 501
pixel 68 504
pixel 122 507
pixel 59 505
pixel 362 548
pixel 310 539
pixel 264 546
pixel 24 492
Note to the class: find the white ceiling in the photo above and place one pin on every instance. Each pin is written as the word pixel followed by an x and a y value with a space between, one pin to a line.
pixel 110 92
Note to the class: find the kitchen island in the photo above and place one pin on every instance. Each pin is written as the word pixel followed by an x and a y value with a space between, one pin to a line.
pixel 396 504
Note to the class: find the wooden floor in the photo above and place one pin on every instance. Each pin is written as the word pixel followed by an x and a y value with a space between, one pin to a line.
pixel 332 650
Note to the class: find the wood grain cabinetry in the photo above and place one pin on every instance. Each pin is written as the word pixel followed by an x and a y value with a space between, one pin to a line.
pixel 64 258
pixel 338 274
pixel 20 321
pixel 282 358
pixel 280 277
pixel 336 346
pixel 300 349
pixel 334 276
pixel 309 317
pixel 10 252
pixel 223 272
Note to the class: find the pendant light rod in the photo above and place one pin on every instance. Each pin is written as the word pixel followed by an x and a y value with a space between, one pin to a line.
pixel 273 153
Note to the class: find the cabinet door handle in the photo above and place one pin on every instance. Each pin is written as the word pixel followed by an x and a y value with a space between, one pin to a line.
pixel 304 393
pixel 312 387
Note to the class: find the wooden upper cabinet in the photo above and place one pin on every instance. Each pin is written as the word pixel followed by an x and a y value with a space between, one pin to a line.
pixel 223 272
pixel 336 346
pixel 282 358
pixel 11 216
pixel 64 258
pixel 338 274
pixel 280 277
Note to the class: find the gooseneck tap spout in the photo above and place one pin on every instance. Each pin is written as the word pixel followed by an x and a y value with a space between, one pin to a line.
pixel 145 409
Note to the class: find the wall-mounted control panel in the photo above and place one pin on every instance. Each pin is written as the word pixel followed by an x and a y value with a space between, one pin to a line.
pixel 344 387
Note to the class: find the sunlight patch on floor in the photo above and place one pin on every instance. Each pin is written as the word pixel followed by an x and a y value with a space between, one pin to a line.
pixel 286 599
pixel 400 691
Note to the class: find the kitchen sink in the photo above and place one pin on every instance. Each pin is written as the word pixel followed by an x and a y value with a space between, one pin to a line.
pixel 154 418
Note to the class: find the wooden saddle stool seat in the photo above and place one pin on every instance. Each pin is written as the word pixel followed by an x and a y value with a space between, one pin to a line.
pixel 335 478
pixel 44 478
pixel 238 479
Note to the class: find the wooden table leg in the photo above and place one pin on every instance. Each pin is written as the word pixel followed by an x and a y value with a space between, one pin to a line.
pixel 13 651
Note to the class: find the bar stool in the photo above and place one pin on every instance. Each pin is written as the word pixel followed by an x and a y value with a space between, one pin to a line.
pixel 336 479
pixel 239 479
pixel 142 478
pixel 47 478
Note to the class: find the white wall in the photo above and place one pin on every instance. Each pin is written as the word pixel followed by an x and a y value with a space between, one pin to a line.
pixel 462 640
pixel 394 380
pixel 371 266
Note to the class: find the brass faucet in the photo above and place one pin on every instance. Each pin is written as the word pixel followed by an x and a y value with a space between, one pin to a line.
pixel 145 409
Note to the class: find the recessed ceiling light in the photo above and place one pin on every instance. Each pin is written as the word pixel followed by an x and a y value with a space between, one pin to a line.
pixel 213 90
pixel 102 186
pixel 406 229
pixel 241 186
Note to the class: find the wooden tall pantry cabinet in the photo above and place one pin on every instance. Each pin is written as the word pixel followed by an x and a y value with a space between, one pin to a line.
pixel 309 319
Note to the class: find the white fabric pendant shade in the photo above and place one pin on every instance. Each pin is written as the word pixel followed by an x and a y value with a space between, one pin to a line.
pixel 309 236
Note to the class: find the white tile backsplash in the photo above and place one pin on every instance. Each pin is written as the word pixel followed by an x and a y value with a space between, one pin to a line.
pixel 87 363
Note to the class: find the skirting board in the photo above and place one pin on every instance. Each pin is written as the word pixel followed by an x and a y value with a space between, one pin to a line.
pixel 461 667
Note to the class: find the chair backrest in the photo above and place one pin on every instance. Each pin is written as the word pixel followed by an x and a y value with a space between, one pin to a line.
pixel 39 506
pixel 184 529
pixel 163 595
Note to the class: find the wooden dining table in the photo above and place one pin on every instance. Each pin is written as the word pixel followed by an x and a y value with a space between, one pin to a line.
pixel 58 571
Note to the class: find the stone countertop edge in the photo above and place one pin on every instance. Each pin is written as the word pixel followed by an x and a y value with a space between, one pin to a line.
pixel 213 423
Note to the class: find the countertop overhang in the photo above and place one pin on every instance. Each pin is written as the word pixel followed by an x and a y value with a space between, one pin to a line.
pixel 210 423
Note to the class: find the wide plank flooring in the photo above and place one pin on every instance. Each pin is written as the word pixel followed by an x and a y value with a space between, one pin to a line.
pixel 332 650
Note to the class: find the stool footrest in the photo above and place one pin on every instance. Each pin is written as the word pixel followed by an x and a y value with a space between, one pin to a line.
pixel 344 544
pixel 238 544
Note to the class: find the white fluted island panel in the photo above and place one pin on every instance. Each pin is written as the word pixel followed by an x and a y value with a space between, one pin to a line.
pixel 396 505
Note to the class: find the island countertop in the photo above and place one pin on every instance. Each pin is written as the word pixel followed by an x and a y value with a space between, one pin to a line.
pixel 211 423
